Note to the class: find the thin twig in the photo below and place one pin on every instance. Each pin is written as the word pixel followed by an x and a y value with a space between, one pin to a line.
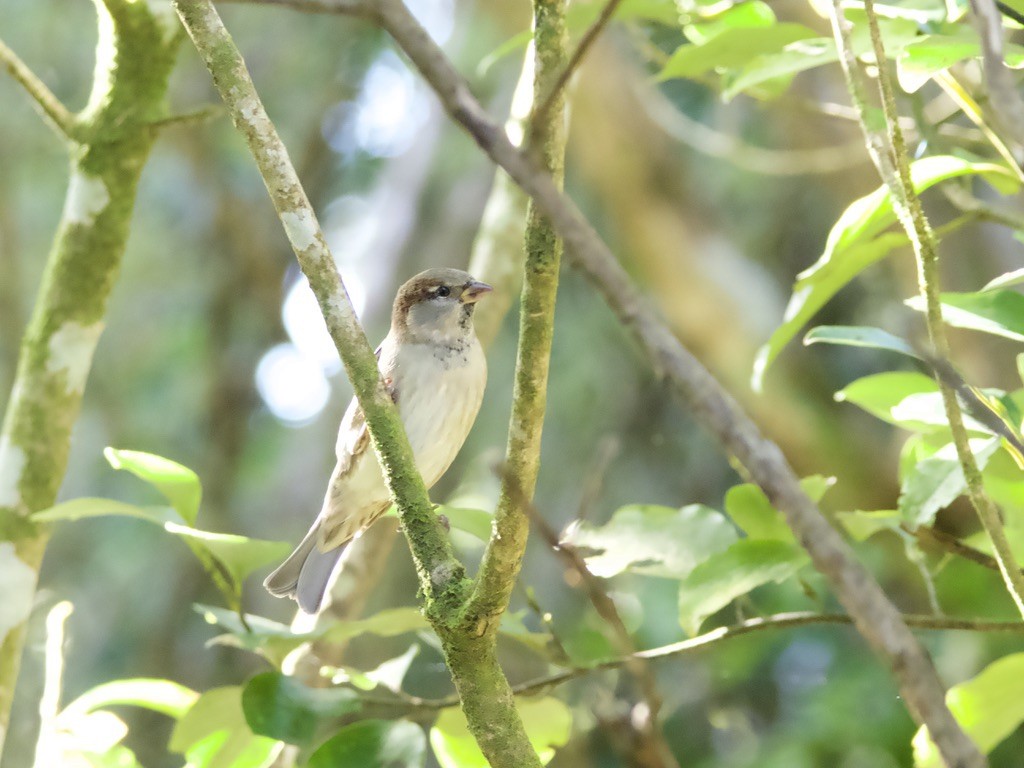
pixel 539 120
pixel 196 116
pixel 908 208
pixel 647 727
pixel 56 115
pixel 706 641
pixel 952 545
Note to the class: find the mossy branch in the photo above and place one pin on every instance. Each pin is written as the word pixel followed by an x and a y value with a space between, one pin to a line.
pixel 56 115
pixel 441 575
pixel 112 139
pixel 891 157
pixel 503 556
pixel 483 689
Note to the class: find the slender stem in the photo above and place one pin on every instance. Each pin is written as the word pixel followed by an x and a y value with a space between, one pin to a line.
pixel 503 556
pixel 555 94
pixel 908 207
pixel 708 640
pixel 56 115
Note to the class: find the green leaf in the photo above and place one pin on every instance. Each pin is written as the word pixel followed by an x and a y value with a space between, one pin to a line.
pixel 86 507
pixel 998 312
pixel 857 240
pixel 163 696
pixel 282 708
pixel 989 707
pixel 214 734
pixel 178 484
pixel 373 744
pixel 936 481
pixel 731 49
pixel 859 336
pixel 815 52
pixel 750 509
pixel 1006 280
pixel 274 640
pixel 239 555
pixel 930 54
pixel 744 15
pixel 879 393
pixel 863 525
pixel 658 541
pixel 723 577
pixel 547 720
pixel 476 522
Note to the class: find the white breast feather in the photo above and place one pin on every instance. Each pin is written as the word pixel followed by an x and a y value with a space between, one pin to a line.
pixel 438 400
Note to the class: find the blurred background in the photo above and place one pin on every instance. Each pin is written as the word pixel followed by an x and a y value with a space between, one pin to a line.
pixel 215 355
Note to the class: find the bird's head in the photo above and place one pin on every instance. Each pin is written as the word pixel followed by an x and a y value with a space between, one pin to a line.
pixel 437 306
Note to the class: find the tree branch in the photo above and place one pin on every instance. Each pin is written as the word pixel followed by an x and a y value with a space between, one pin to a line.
pixel 441 575
pixel 908 208
pixel 706 641
pixel 555 94
pixel 483 689
pixel 56 115
pixel 503 556
pixel 134 58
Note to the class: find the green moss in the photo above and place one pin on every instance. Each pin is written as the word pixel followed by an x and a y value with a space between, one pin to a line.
pixel 134 60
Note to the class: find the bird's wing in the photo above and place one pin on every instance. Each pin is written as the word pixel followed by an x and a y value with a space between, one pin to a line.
pixel 353 435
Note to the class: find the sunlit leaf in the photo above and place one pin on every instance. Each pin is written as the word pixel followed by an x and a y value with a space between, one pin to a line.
pixel 859 336
pixel 815 52
pixel 548 724
pixel 937 481
pixel 863 525
pixel 857 240
pixel 659 541
pixel 879 393
pixel 86 507
pixel 164 696
pixel 731 49
pixel 753 14
pixel 999 312
pixel 178 484
pixel 476 522
pixel 750 509
pixel 281 707
pixel 214 734
pixel 723 577
pixel 373 744
pixel 989 707
pixel 1006 280
pixel 275 640
pixel 240 555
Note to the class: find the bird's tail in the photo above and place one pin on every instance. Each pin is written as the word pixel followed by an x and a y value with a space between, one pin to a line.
pixel 305 574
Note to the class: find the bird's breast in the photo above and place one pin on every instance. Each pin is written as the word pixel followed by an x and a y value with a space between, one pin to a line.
pixel 439 393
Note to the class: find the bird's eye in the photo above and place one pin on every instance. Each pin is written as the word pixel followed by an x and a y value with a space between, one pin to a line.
pixel 444 290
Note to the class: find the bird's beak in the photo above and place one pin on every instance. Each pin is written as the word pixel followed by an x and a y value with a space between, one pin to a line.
pixel 472 292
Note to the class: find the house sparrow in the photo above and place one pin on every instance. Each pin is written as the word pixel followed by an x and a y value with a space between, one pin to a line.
pixel 434 367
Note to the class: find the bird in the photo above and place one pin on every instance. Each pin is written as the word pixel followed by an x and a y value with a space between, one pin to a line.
pixel 434 367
